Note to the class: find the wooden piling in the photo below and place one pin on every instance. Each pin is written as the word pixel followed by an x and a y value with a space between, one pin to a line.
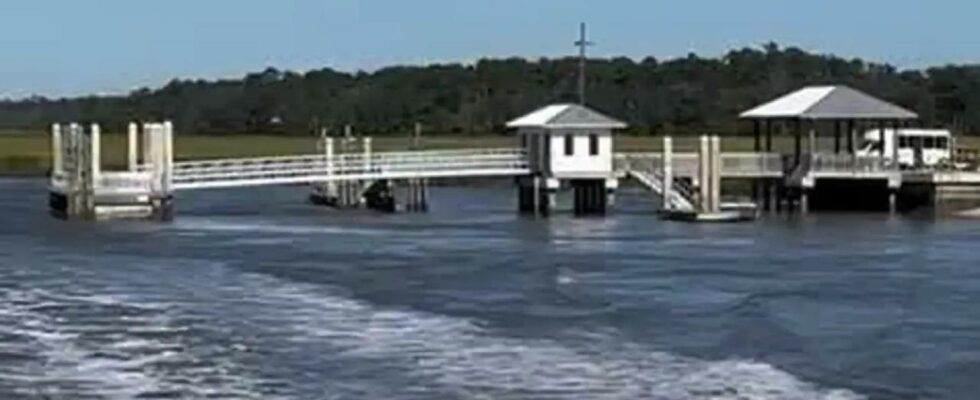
pixel 668 172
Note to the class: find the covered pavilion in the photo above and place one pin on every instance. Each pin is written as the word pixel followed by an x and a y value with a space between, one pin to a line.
pixel 816 109
pixel 820 109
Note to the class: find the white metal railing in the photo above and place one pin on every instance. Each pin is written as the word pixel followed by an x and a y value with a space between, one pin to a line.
pixel 322 168
pixel 831 163
pixel 733 165
pixel 752 165
pixel 124 182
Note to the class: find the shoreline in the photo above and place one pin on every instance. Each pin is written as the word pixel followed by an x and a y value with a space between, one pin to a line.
pixel 24 174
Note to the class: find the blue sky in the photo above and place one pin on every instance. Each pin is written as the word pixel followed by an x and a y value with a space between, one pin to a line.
pixel 73 47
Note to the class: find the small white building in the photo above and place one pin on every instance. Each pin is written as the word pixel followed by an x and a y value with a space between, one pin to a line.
pixel 568 141
pixel 571 144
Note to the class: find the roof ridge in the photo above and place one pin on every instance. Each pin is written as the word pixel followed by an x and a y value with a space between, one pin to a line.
pixel 568 108
pixel 825 97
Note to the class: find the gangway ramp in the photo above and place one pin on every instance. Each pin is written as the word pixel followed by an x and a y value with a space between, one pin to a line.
pixel 246 172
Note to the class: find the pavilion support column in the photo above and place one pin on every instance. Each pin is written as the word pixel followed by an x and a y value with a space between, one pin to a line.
pixel 811 147
pixel 758 190
pixel 768 136
pixel 797 145
pixel 895 142
pixel 769 186
pixel 836 137
pixel 881 138
pixel 850 137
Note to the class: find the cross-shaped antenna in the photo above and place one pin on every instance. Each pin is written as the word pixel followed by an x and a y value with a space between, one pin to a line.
pixel 583 44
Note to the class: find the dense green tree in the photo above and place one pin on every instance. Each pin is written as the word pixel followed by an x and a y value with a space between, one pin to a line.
pixel 679 95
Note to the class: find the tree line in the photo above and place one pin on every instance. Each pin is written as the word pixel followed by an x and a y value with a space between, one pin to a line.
pixel 654 96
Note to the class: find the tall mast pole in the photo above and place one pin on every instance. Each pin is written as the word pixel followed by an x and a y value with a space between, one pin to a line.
pixel 583 43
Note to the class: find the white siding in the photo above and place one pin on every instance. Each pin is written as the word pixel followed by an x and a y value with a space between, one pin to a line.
pixel 581 164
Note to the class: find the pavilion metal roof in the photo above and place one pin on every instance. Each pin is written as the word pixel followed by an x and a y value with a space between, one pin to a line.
pixel 829 103
pixel 566 116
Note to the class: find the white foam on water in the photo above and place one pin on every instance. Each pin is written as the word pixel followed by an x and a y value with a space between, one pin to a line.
pixel 208 225
pixel 116 367
pixel 458 355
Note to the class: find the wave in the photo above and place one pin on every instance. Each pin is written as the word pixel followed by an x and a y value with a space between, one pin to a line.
pixel 193 225
pixel 461 357
pixel 303 330
pixel 103 356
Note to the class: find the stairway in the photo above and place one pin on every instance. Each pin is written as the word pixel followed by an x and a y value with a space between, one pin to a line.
pixel 681 196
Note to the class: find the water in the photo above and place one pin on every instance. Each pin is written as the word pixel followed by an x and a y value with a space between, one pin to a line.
pixel 254 294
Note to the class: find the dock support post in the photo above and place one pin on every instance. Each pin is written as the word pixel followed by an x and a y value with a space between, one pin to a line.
pixel 146 138
pixel 668 172
pixel 331 186
pixel 804 201
pixel 57 152
pixel 536 197
pixel 773 196
pixel 715 173
pixel 703 174
pixel 132 147
pixel 892 202
pixel 77 186
pixel 95 137
pixel 168 158
pixel 165 208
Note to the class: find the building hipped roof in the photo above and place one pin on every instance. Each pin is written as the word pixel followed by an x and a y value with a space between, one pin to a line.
pixel 566 116
pixel 829 103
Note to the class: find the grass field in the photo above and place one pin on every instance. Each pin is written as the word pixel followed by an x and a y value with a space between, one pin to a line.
pixel 29 152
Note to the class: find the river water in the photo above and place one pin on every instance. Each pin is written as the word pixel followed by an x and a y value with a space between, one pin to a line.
pixel 255 294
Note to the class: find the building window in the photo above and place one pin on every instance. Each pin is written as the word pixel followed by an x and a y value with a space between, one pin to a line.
pixel 593 144
pixel 569 145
